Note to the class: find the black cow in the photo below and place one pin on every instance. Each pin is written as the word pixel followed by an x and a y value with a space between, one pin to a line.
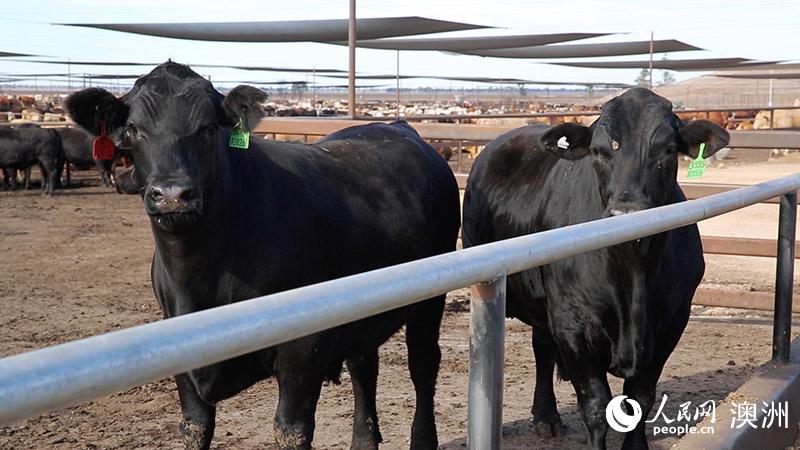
pixel 23 147
pixel 125 183
pixel 78 150
pixel 621 309
pixel 231 224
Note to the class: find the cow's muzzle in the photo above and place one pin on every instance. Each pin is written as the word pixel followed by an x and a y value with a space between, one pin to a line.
pixel 173 202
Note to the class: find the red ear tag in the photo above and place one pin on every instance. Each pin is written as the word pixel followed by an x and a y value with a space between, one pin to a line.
pixel 103 147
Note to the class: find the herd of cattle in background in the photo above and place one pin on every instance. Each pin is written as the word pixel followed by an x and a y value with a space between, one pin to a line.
pixel 56 151
pixel 376 195
pixel 39 148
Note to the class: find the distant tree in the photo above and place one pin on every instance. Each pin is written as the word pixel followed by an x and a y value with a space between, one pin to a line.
pixel 522 90
pixel 298 89
pixel 643 79
pixel 667 78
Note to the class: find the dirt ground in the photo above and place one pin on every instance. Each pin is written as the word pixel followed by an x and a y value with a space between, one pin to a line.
pixel 77 264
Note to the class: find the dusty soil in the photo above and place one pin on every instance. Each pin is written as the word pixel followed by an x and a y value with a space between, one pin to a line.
pixel 77 264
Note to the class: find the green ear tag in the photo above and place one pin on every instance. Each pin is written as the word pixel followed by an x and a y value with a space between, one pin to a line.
pixel 698 165
pixel 239 137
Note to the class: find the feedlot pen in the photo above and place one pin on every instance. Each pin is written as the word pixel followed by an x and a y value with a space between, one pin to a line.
pixel 77 264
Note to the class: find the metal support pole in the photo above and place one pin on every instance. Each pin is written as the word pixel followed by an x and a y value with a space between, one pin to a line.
pixel 784 277
pixel 486 356
pixel 459 167
pixel 351 76
pixel 650 66
pixel 398 84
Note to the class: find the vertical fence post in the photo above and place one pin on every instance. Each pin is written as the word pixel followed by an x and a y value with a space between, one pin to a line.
pixel 459 167
pixel 486 355
pixel 784 277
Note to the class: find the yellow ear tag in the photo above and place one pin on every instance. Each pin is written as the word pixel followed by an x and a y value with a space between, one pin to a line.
pixel 239 137
pixel 698 165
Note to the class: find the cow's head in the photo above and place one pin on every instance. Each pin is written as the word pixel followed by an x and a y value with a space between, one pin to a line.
pixel 176 122
pixel 634 147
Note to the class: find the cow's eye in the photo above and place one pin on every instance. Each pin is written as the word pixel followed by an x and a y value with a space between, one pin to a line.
pixel 133 132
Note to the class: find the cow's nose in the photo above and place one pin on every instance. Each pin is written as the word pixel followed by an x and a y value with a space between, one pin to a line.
pixel 172 198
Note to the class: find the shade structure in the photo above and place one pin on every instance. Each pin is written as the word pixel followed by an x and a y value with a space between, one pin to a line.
pixel 763 67
pixel 585 50
pixel 9 54
pixel 471 43
pixel 329 30
pixel 783 75
pixel 273 69
pixel 85 63
pixel 677 65
pixel 490 80
pixel 153 64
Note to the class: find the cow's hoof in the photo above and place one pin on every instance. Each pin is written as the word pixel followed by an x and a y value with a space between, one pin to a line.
pixel 195 436
pixel 289 439
pixel 549 429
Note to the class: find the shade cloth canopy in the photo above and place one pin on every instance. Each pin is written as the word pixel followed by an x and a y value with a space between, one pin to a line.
pixel 677 64
pixel 585 50
pixel 471 43
pixel 128 63
pixel 328 30
pixel 486 80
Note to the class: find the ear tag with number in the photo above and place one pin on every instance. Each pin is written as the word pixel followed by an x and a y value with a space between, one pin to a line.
pixel 698 165
pixel 239 137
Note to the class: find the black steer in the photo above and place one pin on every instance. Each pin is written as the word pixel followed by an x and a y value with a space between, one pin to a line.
pixel 78 151
pixel 231 224
pixel 23 147
pixel 125 183
pixel 621 309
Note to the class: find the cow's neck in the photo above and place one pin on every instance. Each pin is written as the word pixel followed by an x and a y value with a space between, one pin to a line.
pixel 186 256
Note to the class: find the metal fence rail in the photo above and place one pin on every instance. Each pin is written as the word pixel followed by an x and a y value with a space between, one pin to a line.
pixel 39 381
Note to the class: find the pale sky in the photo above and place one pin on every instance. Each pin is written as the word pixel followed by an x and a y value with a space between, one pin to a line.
pixel 764 30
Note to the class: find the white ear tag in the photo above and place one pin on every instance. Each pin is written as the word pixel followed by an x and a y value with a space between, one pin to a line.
pixel 562 142
pixel 614 145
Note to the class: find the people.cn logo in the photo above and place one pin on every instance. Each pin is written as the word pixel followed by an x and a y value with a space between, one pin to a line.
pixel 618 418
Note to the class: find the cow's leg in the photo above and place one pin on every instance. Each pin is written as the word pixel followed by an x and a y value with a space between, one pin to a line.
pixel 48 177
pixel 69 173
pixel 101 170
pixel 43 172
pixel 591 387
pixel 546 420
pixel 197 426
pixel 642 387
pixel 299 385
pixel 364 375
pixel 424 357
pixel 26 177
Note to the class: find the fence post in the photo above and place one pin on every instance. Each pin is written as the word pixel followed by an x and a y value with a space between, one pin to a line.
pixel 784 277
pixel 486 357
pixel 459 167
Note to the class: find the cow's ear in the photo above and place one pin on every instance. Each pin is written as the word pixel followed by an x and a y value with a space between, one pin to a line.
pixel 244 103
pixel 569 140
pixel 697 132
pixel 88 106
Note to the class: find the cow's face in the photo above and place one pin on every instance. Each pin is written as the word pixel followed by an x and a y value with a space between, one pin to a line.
pixel 634 147
pixel 177 124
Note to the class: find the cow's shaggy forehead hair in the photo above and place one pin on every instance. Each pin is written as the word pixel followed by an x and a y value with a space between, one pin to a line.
pixel 179 85
pixel 637 107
